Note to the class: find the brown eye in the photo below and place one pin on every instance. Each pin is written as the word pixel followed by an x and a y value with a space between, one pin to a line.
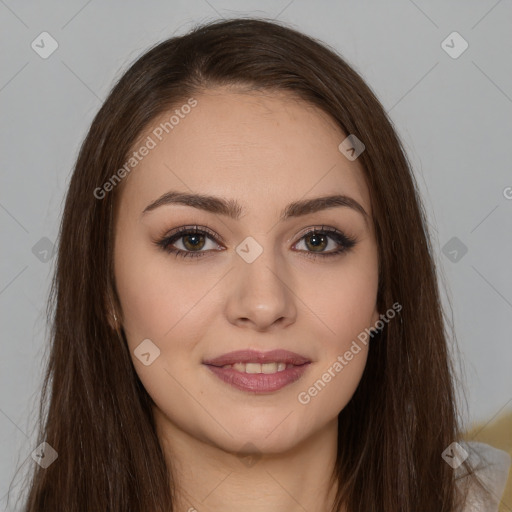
pixel 317 242
pixel 193 241
pixel 326 242
pixel 190 241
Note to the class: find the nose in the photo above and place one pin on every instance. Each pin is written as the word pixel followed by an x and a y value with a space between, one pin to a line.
pixel 261 295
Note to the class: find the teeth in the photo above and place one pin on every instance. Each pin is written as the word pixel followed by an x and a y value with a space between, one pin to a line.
pixel 267 368
pixel 253 368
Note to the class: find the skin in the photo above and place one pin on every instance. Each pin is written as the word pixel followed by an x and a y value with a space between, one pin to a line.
pixel 263 150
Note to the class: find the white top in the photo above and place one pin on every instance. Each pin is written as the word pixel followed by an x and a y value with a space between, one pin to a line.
pixel 492 466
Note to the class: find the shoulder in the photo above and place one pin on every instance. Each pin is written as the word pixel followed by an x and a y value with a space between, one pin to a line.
pixel 492 466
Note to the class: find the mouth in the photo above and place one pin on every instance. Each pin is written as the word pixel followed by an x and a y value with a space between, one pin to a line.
pixel 258 372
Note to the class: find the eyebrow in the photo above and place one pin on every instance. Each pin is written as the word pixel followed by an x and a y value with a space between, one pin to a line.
pixel 234 210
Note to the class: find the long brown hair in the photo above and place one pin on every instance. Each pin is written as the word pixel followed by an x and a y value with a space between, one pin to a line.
pixel 94 410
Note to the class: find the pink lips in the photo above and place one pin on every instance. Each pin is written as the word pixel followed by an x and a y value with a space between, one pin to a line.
pixel 259 382
pixel 253 356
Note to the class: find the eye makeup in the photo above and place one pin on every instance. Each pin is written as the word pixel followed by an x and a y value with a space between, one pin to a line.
pixel 195 238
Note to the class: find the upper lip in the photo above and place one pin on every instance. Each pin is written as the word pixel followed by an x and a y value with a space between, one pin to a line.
pixel 254 356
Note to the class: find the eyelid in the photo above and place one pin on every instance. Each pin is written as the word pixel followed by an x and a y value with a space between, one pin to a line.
pixel 344 241
pixel 166 234
pixel 317 228
pixel 190 227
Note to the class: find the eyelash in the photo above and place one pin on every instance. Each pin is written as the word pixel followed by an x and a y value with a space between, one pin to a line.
pixel 345 241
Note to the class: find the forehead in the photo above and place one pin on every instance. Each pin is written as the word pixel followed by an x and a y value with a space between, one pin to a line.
pixel 263 148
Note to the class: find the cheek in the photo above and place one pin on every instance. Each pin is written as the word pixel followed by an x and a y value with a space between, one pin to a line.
pixel 344 300
pixel 164 306
pixel 156 298
pixel 331 388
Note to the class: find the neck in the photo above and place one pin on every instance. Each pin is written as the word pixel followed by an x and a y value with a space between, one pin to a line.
pixel 208 478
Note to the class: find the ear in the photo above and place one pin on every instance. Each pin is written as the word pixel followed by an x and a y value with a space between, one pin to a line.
pixel 113 320
pixel 112 312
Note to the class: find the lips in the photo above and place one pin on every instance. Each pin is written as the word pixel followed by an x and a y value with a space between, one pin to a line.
pixel 253 356
pixel 258 372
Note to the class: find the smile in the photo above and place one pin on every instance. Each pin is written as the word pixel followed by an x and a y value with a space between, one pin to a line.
pixel 258 372
pixel 267 368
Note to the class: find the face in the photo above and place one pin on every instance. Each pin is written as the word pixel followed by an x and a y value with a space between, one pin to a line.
pixel 200 279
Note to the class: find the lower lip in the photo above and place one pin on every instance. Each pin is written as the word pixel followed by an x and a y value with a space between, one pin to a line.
pixel 259 382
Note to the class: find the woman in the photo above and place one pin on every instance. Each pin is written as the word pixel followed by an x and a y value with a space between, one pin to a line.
pixel 246 308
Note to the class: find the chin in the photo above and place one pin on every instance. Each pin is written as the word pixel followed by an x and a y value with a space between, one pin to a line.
pixel 269 437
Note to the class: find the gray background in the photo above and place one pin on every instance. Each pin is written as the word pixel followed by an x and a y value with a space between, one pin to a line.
pixel 454 116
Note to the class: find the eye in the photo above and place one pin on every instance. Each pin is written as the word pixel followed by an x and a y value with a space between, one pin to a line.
pixel 192 240
pixel 318 241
